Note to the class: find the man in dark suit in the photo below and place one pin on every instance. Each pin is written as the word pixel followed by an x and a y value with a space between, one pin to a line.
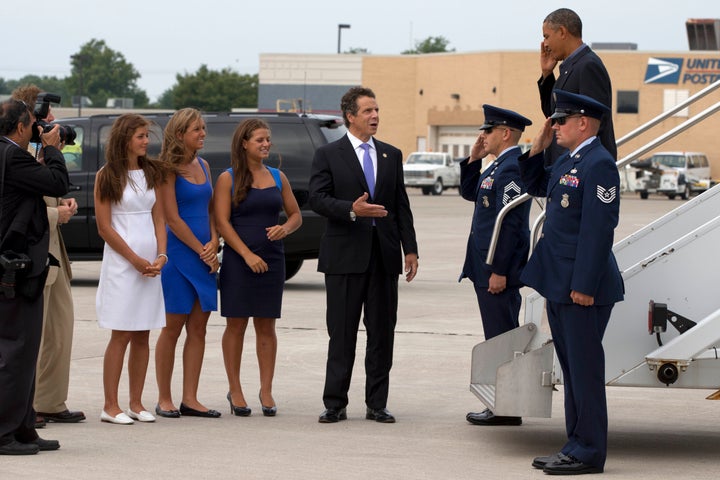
pixel 581 71
pixel 357 184
pixel 23 230
pixel 574 268
pixel 497 286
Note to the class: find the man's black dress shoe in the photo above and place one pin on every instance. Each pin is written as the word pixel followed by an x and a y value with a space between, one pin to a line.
pixel 333 415
pixel 569 465
pixel 45 445
pixel 381 415
pixel 186 411
pixel 66 416
pixel 486 417
pixel 540 462
pixel 16 448
pixel 167 413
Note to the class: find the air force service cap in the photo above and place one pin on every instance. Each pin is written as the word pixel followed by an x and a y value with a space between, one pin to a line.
pixel 567 103
pixel 495 116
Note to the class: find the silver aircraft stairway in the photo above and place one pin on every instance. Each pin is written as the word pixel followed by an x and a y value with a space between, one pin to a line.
pixel 666 332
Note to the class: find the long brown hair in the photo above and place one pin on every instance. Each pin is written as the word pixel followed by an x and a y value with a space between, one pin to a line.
pixel 243 178
pixel 173 149
pixel 113 176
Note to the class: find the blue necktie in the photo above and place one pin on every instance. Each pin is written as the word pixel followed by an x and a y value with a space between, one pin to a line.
pixel 368 168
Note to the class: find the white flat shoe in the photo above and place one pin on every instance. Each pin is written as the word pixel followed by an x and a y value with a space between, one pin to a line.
pixel 119 419
pixel 143 416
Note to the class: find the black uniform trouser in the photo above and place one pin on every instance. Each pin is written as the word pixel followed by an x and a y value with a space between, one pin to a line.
pixel 375 291
pixel 499 311
pixel 20 334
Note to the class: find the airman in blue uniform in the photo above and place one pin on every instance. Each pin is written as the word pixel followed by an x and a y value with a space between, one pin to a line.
pixel 574 268
pixel 497 286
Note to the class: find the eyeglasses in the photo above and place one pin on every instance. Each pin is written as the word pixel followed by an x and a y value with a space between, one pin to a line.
pixel 562 120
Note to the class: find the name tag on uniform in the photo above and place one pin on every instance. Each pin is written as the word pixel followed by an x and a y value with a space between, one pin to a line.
pixel 570 180
pixel 487 183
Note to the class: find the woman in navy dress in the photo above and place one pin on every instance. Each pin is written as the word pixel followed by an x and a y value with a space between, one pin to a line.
pixel 188 279
pixel 247 204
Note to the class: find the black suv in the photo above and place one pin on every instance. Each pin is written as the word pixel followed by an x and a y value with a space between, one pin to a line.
pixel 294 140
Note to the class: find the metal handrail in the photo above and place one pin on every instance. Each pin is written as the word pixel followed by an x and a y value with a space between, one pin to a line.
pixel 620 163
pixel 665 115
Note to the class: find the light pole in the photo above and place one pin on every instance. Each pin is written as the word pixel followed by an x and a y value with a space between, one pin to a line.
pixel 340 27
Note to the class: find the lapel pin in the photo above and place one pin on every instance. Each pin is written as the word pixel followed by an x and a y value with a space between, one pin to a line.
pixel 384 155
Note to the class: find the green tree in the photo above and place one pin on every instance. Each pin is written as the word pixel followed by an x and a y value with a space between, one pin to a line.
pixel 47 84
pixel 99 72
pixel 212 90
pixel 430 45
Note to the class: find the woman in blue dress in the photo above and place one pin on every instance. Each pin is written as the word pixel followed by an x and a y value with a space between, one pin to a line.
pixel 188 279
pixel 248 200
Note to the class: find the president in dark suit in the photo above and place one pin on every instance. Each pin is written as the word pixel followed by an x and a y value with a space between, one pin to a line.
pixel 581 71
pixel 497 286
pixel 574 268
pixel 357 184
pixel 23 230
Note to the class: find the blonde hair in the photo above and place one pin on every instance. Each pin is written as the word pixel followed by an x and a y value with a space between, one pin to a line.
pixel 173 149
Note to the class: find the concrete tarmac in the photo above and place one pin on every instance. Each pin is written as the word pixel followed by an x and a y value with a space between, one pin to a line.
pixel 655 433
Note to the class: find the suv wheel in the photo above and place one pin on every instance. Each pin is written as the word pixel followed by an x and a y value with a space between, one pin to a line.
pixel 686 193
pixel 437 187
pixel 291 268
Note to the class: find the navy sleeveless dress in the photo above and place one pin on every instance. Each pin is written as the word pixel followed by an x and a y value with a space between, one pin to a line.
pixel 244 293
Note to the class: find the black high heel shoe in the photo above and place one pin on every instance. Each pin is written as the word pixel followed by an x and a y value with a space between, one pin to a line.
pixel 267 411
pixel 238 411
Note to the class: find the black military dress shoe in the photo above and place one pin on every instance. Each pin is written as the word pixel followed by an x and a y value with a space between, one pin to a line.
pixel 332 415
pixel 45 445
pixel 66 416
pixel 486 417
pixel 381 415
pixel 569 465
pixel 540 462
pixel 16 448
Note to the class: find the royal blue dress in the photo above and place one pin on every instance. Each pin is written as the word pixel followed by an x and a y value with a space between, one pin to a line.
pixel 244 293
pixel 186 278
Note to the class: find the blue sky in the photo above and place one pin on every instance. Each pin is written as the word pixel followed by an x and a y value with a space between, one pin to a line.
pixel 162 38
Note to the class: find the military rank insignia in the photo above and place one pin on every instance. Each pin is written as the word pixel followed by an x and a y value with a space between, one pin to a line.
pixel 510 191
pixel 606 195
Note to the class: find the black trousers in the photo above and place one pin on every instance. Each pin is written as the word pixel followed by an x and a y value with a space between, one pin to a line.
pixel 376 292
pixel 20 333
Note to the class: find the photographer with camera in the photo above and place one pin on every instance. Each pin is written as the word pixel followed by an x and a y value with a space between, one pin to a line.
pixel 52 378
pixel 24 262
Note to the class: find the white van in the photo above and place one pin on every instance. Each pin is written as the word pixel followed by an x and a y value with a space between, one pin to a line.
pixel 673 174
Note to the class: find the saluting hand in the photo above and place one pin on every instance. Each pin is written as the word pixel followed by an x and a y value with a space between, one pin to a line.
pixel 547 62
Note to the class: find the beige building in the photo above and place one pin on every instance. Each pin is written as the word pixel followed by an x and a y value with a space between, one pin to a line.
pixel 434 102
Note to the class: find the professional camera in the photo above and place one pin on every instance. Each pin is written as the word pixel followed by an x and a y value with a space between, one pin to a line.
pixel 11 263
pixel 42 109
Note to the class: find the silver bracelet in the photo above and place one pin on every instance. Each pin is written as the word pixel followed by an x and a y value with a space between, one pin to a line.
pixel 163 255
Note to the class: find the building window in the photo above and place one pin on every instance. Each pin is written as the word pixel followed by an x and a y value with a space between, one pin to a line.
pixel 672 98
pixel 628 101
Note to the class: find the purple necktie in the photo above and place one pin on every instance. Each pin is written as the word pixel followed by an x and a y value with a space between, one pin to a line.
pixel 368 168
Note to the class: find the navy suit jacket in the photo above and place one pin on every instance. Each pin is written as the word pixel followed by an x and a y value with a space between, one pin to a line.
pixel 575 249
pixel 336 181
pixel 491 190
pixel 585 74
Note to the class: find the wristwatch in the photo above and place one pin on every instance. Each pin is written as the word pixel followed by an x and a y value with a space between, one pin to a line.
pixel 353 217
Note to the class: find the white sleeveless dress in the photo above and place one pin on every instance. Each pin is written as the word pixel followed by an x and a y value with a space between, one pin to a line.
pixel 127 300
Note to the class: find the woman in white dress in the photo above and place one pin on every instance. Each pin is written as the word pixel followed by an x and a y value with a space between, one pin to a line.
pixel 129 298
